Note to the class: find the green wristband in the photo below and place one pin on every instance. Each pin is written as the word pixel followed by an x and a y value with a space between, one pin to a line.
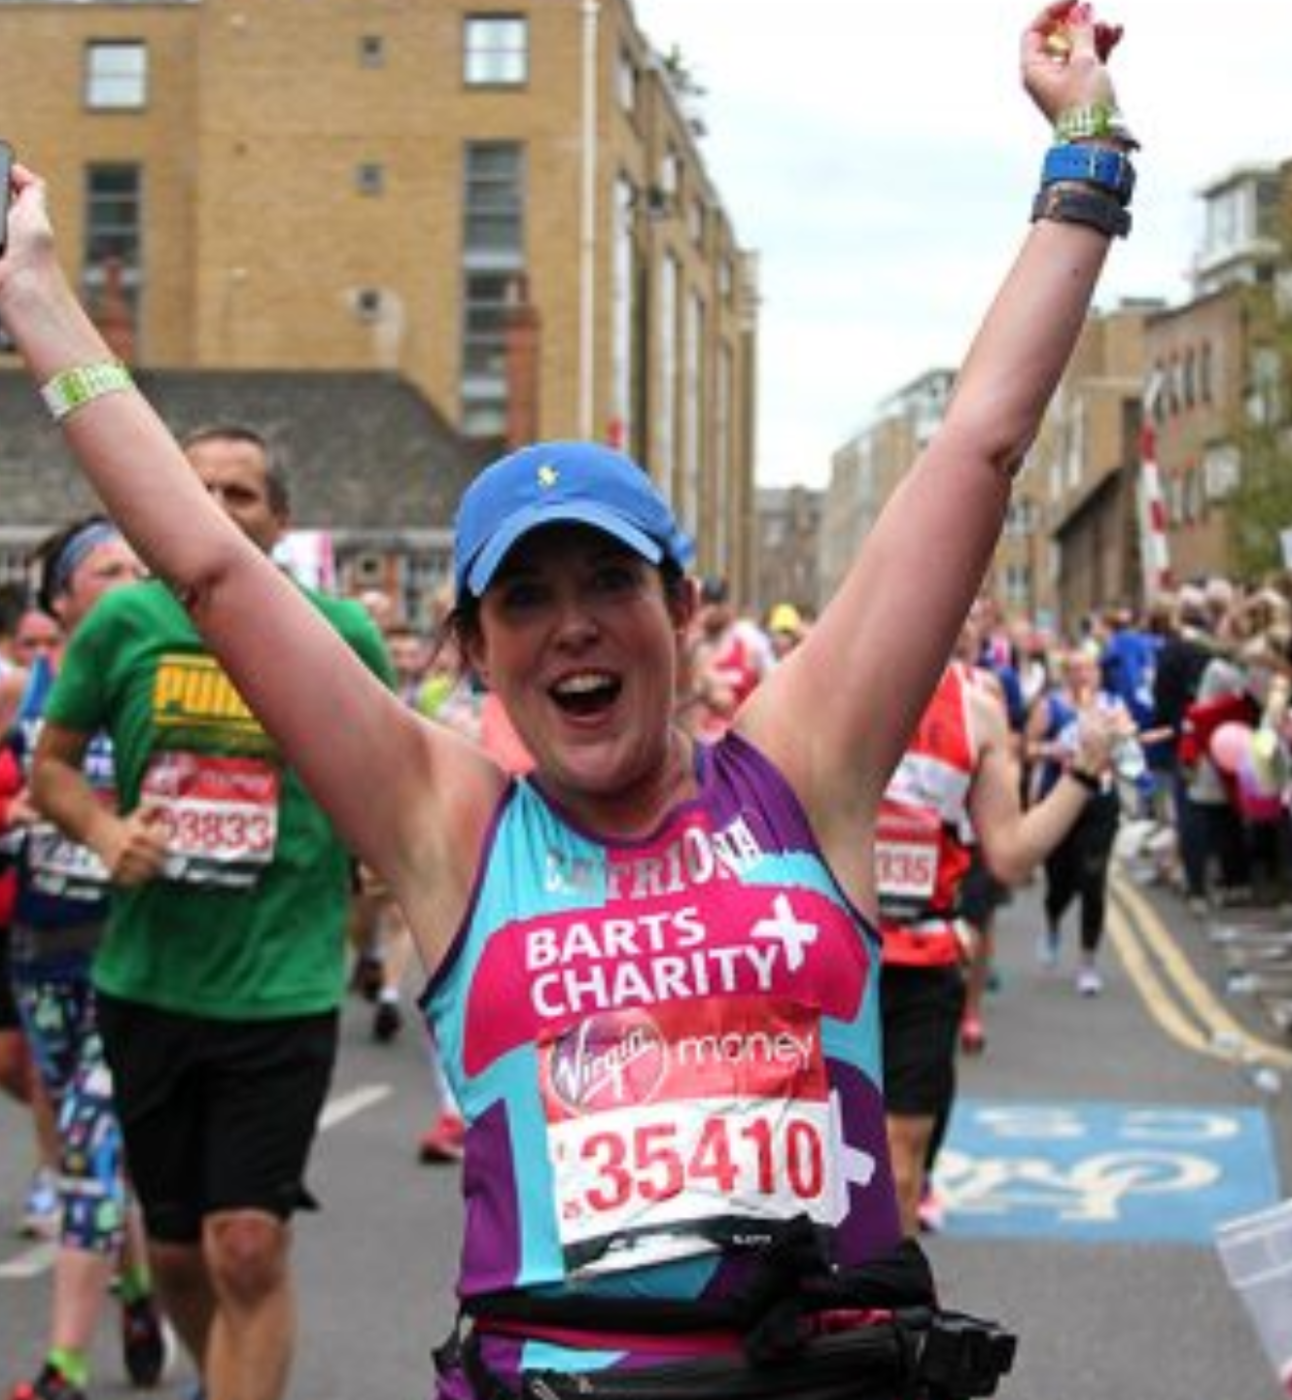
pixel 73 388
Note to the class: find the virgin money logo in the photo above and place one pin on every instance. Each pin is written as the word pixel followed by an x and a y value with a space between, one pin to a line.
pixel 608 1061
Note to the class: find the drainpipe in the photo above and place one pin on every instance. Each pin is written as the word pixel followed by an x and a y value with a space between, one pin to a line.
pixel 588 223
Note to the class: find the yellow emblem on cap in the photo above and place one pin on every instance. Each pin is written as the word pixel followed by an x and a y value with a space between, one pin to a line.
pixel 548 475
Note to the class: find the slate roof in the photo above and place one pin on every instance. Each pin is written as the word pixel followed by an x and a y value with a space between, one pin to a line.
pixel 364 450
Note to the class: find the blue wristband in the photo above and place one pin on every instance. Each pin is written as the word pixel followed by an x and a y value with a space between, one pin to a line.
pixel 1100 166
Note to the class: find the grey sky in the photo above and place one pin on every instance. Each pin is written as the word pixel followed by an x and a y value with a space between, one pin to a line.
pixel 882 161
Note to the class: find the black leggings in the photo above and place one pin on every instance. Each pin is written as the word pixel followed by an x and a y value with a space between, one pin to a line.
pixel 1078 868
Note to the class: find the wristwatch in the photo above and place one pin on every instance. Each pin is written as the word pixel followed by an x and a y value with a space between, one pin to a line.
pixel 1091 165
pixel 1067 204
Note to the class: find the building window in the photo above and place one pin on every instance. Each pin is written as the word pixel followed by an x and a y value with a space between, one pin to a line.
pixel 663 425
pixel 1269 193
pixel 670 172
pixel 493 255
pixel 1193 494
pixel 1020 519
pixel 623 302
pixel 726 278
pixel 1171 386
pixel 116 75
pixel 696 222
pixel 626 81
pixel 484 354
pixel 1018 585
pixel 723 476
pixel 113 228
pixel 370 177
pixel 495 51
pixel 494 203
pixel 1157 380
pixel 372 51
pixel 694 393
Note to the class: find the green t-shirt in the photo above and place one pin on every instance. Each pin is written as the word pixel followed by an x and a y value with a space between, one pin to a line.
pixel 249 921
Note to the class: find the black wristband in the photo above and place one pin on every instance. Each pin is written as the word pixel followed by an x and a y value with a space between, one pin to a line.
pixel 1089 781
pixel 1066 204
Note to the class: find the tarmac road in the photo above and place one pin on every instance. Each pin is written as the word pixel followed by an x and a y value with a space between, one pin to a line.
pixel 1097 1144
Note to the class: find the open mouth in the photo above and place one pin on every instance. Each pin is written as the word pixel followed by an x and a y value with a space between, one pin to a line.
pixel 586 693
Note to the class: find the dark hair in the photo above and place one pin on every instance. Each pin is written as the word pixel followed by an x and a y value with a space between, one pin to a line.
pixel 51 557
pixel 13 603
pixel 276 483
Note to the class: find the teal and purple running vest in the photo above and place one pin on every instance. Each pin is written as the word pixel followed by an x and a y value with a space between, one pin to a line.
pixel 664 1049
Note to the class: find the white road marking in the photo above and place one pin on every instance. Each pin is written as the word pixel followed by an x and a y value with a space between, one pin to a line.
pixel 33 1262
pixel 339 1108
pixel 40 1259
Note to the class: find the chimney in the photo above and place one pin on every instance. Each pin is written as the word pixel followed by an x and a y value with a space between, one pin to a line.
pixel 521 335
pixel 112 312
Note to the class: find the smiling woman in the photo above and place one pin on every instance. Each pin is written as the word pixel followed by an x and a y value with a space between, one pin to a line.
pixel 653 967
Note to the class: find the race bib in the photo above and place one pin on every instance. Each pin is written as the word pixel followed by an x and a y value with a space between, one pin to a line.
pixel 907 848
pixel 61 867
pixel 690 1128
pixel 220 816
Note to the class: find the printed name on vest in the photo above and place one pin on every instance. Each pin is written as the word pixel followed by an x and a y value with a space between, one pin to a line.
pixel 695 858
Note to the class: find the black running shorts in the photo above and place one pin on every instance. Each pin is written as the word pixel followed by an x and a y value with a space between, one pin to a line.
pixel 9 1018
pixel 920 1011
pixel 217 1115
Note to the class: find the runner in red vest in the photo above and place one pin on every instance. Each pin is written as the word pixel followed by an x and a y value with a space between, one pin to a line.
pixel 960 772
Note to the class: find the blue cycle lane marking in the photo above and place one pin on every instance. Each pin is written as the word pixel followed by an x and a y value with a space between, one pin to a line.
pixel 1103 1172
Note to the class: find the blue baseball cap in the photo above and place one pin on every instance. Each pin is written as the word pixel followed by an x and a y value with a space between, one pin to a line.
pixel 569 483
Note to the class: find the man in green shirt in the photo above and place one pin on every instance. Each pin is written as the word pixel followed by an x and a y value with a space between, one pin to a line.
pixel 222 967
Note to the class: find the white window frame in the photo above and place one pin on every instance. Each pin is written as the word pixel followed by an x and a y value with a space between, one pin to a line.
pixel 495 50
pixel 116 75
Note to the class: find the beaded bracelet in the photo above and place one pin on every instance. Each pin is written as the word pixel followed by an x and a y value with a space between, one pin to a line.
pixel 1088 205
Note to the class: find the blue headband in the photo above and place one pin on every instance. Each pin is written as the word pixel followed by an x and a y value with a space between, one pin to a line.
pixel 79 544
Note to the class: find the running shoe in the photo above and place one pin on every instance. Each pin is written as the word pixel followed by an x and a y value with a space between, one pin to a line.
pixel 51 1384
pixel 387 1021
pixel 1089 982
pixel 931 1211
pixel 365 976
pixel 42 1213
pixel 442 1142
pixel 145 1342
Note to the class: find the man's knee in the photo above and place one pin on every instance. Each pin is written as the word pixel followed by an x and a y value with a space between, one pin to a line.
pixel 180 1268
pixel 247 1255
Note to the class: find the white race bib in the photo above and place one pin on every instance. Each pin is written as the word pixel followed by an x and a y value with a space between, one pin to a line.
pixel 220 815
pixel 674 1132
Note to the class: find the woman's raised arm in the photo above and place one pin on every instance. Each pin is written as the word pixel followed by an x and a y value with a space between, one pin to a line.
pixel 345 734
pixel 838 713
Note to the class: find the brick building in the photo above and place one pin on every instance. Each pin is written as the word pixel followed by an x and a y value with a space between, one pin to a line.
pixel 788 550
pixel 1204 371
pixel 1087 464
pixel 504 206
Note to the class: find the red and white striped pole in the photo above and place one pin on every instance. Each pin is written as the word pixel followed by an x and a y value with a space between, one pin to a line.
pixel 1155 552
